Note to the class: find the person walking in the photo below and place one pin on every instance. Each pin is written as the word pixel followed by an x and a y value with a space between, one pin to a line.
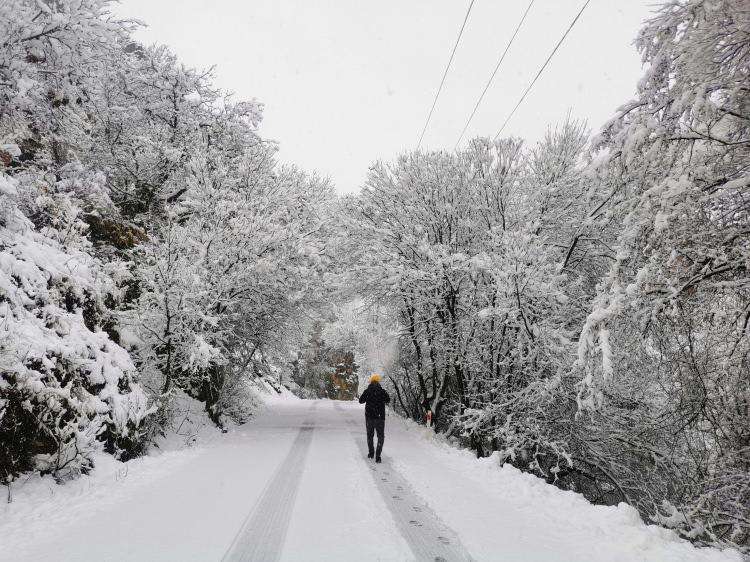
pixel 375 398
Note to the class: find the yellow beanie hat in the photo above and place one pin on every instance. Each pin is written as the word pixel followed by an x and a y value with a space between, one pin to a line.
pixel 375 378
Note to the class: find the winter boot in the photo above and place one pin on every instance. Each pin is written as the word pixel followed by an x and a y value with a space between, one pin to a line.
pixel 370 455
pixel 377 459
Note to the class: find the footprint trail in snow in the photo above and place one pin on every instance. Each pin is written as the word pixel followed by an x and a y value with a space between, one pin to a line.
pixel 428 537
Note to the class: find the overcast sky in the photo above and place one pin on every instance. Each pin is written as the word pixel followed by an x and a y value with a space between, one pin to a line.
pixel 348 82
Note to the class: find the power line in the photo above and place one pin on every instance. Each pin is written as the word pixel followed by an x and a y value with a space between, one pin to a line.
pixel 494 72
pixel 450 60
pixel 523 97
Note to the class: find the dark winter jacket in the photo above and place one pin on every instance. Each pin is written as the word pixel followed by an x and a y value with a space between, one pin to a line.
pixel 374 398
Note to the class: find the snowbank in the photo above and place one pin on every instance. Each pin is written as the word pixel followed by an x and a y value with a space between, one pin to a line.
pixel 481 500
pixel 40 505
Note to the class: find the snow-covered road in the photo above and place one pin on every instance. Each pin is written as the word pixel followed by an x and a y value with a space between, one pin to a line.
pixel 341 454
pixel 294 485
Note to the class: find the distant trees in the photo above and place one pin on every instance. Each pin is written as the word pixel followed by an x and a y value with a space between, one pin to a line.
pixel 324 370
pixel 581 306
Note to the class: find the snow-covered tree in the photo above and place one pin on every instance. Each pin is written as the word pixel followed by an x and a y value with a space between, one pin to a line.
pixel 197 251
pixel 671 314
pixel 469 248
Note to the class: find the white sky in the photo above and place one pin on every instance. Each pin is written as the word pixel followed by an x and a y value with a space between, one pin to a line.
pixel 348 82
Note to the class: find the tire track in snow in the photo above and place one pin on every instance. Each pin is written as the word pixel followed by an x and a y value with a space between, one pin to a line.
pixel 427 536
pixel 261 537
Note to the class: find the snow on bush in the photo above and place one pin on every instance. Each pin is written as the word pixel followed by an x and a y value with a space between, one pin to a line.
pixel 66 388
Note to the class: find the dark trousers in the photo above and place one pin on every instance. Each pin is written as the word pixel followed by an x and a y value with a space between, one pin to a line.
pixel 373 425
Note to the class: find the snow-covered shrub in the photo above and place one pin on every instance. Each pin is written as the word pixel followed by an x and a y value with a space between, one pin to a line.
pixel 65 388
